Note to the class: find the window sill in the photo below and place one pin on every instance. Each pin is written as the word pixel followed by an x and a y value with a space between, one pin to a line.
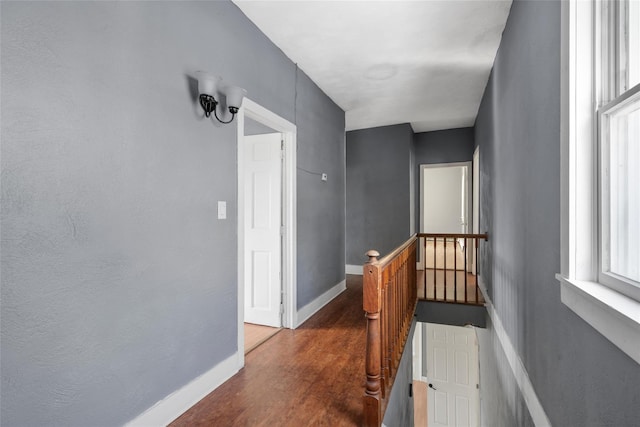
pixel 614 315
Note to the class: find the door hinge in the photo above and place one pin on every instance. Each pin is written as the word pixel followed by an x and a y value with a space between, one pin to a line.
pixel 478 386
pixel 410 389
pixel 281 304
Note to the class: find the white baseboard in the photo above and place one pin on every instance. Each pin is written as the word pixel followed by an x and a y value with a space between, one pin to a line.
pixel 536 410
pixel 353 269
pixel 177 403
pixel 310 309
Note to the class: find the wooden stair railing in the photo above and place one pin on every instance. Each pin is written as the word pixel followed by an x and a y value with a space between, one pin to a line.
pixel 443 275
pixel 389 301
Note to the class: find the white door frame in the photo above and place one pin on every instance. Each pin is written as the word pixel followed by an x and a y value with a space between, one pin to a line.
pixel 423 167
pixel 469 166
pixel 261 115
pixel 475 202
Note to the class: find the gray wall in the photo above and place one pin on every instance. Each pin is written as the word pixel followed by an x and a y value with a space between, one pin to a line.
pixel 580 378
pixel 251 127
pixel 500 398
pixel 443 146
pixel 399 410
pixel 451 314
pixel 378 190
pixel 118 283
pixel 321 204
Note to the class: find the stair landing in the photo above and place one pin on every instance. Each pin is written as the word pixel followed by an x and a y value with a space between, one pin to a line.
pixel 449 287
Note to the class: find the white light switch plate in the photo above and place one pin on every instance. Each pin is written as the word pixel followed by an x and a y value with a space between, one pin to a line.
pixel 222 210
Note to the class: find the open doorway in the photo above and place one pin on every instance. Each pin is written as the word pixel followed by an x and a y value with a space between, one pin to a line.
pixel 445 195
pixel 266 225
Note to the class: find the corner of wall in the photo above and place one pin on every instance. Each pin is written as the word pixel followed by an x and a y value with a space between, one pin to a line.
pixel 314 306
pixel 171 407
pixel 353 269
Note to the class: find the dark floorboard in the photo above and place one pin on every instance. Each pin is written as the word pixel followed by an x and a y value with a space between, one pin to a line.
pixel 310 376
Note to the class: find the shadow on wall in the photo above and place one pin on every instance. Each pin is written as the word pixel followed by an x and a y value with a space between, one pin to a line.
pixel 507 287
pixel 500 397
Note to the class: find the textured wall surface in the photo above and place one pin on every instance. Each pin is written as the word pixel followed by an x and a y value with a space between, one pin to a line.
pixel 444 146
pixel 118 282
pixel 580 377
pixel 321 204
pixel 501 400
pixel 378 199
pixel 400 408
pixel 451 314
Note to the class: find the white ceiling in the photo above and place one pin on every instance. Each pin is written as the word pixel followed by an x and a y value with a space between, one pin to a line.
pixel 388 62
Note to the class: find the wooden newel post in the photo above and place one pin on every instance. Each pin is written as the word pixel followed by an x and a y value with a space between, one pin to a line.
pixel 371 305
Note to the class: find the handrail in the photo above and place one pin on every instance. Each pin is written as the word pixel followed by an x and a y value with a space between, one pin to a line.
pixel 389 301
pixel 445 274
pixel 385 260
pixel 483 236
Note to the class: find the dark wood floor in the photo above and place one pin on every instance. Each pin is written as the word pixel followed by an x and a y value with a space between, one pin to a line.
pixel 311 376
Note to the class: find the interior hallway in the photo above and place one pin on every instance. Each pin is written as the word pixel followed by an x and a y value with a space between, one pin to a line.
pixel 313 375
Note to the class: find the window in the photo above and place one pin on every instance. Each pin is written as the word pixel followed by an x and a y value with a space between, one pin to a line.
pixel 600 160
pixel 619 142
pixel 620 195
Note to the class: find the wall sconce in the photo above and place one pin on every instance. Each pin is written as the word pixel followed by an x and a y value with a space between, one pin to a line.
pixel 209 86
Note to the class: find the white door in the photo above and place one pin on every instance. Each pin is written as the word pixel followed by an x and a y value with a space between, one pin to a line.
pixel 262 225
pixel 453 397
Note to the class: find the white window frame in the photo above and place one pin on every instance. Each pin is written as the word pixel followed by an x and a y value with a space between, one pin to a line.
pixel 612 313
pixel 619 283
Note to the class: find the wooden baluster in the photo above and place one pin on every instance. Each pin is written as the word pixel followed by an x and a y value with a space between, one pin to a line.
pixel 445 269
pixel 400 287
pixel 414 274
pixel 383 342
pixel 394 327
pixel 389 298
pixel 371 305
pixel 407 279
pixel 466 243
pixel 435 295
pixel 455 270
pixel 477 244
pixel 388 313
pixel 386 335
pixel 398 297
pixel 425 268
